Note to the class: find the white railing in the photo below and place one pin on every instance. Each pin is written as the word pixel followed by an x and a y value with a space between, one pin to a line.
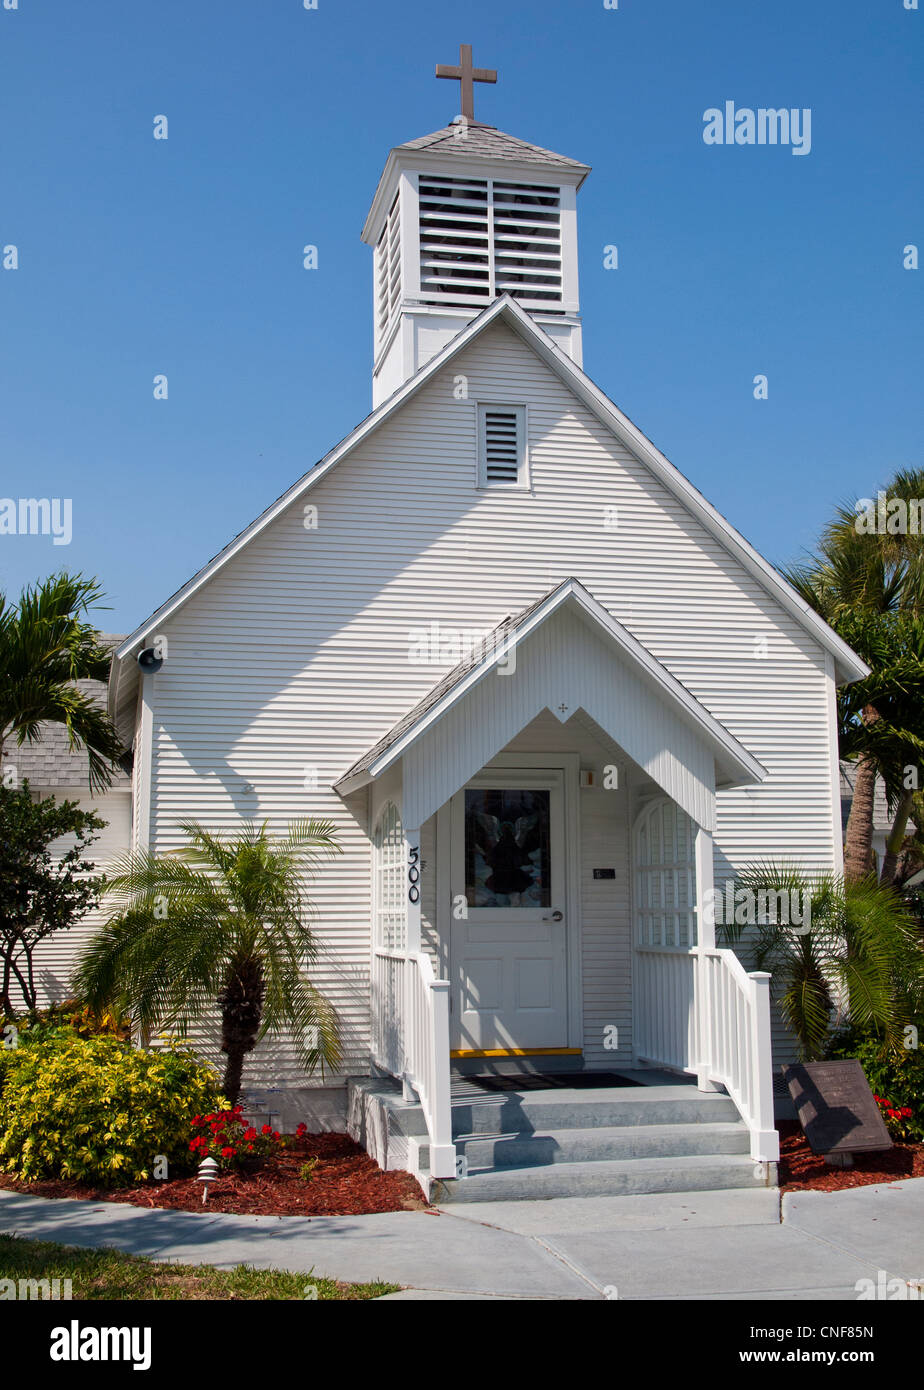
pixel 700 1011
pixel 410 1040
pixel 734 1042
pixel 665 1008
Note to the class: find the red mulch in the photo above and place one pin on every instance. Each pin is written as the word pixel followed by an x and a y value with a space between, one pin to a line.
pixel 802 1170
pixel 346 1182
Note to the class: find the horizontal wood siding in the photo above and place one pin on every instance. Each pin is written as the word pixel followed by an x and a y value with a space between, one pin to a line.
pixel 296 655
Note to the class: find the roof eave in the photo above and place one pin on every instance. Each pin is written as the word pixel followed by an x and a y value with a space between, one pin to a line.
pixel 848 666
pixel 741 767
pixel 312 477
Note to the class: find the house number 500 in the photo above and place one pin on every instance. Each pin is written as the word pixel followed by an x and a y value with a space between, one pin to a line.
pixel 413 874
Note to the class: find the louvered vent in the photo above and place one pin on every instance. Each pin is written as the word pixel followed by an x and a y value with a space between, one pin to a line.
pixel 483 237
pixel 388 271
pixel 527 242
pixel 454 240
pixel 503 449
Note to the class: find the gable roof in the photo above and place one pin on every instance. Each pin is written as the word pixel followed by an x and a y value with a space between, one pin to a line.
pixel 734 763
pixel 50 761
pixel 487 142
pixel 848 665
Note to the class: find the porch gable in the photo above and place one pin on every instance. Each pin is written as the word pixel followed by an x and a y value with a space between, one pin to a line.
pixel 564 653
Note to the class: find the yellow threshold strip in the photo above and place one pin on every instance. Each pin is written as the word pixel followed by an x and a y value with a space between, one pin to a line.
pixel 522 1052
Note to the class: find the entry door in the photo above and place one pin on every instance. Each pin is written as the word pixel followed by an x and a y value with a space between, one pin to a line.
pixel 508 932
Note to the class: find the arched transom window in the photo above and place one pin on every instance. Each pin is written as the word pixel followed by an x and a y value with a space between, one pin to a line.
pixel 665 877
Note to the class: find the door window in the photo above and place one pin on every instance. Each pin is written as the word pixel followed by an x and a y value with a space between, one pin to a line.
pixel 507 847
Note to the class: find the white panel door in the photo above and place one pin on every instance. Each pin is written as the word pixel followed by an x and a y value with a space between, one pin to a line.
pixel 508 928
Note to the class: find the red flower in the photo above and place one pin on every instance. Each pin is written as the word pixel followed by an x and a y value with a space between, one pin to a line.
pixel 301 1130
pixel 250 1133
pixel 905 1112
pixel 227 1153
pixel 267 1129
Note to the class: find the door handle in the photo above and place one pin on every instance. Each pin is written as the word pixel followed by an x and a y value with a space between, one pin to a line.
pixel 555 916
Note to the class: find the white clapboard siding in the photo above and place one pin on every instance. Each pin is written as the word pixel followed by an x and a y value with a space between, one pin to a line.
pixel 587 675
pixel 295 655
pixel 55 957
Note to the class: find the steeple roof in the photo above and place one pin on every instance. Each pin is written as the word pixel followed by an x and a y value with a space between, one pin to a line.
pixel 471 140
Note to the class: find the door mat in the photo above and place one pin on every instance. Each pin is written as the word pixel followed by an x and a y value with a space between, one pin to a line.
pixel 554 1081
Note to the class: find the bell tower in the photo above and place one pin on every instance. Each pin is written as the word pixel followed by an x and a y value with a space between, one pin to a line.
pixel 460 217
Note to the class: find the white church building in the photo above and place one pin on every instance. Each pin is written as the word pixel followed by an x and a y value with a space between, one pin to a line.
pixel 548 694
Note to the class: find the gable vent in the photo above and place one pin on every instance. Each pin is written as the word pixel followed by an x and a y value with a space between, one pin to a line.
pixel 480 238
pixel 503 445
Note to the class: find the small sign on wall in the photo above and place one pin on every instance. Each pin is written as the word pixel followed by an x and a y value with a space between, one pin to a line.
pixel 604 873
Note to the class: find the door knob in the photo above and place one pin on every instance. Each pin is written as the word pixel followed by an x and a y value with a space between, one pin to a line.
pixel 555 916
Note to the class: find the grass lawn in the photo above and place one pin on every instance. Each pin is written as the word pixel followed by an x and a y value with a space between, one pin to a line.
pixel 110 1275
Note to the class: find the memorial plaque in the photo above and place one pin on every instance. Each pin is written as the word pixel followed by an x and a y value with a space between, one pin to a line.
pixel 836 1108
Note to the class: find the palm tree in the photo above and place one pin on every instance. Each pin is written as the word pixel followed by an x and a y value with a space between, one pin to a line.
pixel 46 645
pixel 870 589
pixel 222 920
pixel 893 740
pixel 858 956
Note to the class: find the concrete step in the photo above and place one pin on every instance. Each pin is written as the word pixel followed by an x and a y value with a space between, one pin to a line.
pixel 597 1145
pixel 524 1112
pixel 606 1178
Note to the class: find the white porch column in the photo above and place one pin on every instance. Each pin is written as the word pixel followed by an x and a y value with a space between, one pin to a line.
pixel 705 941
pixel 765 1141
pixel 413 871
pixel 442 1149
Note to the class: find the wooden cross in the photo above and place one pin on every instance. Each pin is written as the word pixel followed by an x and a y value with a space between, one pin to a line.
pixel 466 75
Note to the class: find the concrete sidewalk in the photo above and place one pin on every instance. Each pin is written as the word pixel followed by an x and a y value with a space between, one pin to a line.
pixel 703 1245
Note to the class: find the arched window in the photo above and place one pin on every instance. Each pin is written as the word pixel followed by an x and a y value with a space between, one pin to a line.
pixel 665 877
pixel 390 915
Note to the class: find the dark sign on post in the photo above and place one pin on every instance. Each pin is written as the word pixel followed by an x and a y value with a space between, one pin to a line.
pixel 836 1108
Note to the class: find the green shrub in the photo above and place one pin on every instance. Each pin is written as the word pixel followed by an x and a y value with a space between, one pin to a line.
pixel 895 1075
pixel 71 1013
pixel 97 1109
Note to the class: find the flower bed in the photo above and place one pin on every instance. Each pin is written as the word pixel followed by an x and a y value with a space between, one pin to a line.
pixel 343 1181
pixel 802 1170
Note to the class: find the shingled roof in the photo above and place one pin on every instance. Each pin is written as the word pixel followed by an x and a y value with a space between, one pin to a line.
pixel 50 762
pixel 486 142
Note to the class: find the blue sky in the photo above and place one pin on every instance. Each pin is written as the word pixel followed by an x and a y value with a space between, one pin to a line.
pixel 139 257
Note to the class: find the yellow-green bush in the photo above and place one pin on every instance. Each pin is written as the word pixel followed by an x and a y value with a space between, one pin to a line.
pixel 97 1109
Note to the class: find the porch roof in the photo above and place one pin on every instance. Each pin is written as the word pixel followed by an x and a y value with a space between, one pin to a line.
pixel 733 764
